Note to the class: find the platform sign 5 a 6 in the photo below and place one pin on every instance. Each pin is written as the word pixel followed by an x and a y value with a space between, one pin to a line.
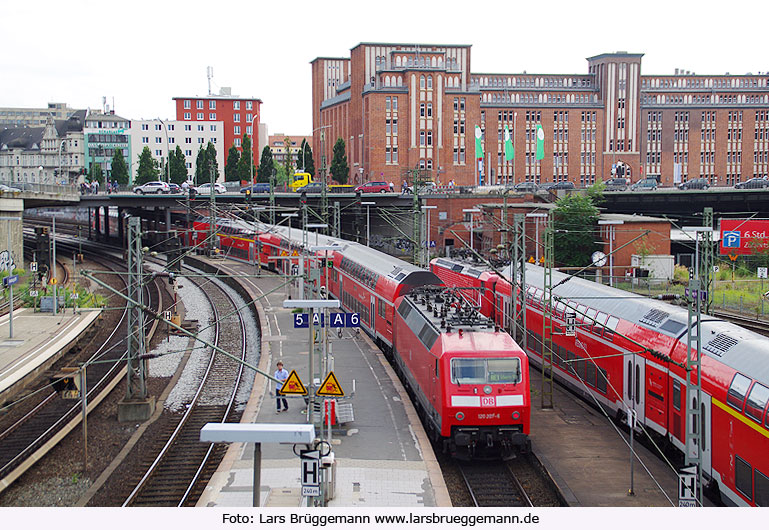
pixel 744 237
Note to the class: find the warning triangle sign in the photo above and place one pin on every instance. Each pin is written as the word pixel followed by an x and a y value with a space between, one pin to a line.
pixel 330 387
pixel 293 385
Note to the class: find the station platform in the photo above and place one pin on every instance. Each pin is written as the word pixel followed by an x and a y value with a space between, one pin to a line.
pixel 38 340
pixel 588 456
pixel 383 457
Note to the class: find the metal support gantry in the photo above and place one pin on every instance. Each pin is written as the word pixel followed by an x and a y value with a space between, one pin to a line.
pixel 547 316
pixel 518 279
pixel 136 387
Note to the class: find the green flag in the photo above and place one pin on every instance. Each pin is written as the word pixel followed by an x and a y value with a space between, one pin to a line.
pixel 540 143
pixel 478 143
pixel 509 151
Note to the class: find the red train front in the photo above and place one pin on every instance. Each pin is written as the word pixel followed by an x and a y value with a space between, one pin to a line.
pixel 469 379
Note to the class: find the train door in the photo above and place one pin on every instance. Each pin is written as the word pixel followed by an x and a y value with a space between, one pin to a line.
pixel 372 314
pixel 705 429
pixel 635 378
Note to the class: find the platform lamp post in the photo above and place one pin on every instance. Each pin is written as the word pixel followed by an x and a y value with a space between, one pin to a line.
pixel 611 234
pixel 537 216
pixel 472 212
pixel 251 183
pixel 427 236
pixel 368 205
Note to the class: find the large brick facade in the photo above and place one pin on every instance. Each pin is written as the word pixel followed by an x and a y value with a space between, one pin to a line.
pixel 403 106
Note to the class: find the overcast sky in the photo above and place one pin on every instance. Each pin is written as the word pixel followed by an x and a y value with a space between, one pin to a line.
pixel 143 53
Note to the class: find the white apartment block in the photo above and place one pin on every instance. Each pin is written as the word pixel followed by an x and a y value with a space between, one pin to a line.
pixel 162 135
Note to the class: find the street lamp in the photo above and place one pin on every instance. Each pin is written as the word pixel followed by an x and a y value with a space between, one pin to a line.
pixel 611 223
pixel 168 152
pixel 427 237
pixel 367 204
pixel 536 217
pixel 471 211
pixel 252 149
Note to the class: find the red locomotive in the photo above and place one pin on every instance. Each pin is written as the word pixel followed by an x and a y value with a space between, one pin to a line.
pixel 468 378
pixel 603 361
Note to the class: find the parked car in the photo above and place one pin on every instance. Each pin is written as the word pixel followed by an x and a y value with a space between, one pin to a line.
pixel 312 187
pixel 561 185
pixel 616 184
pixel 374 187
pixel 648 183
pixel 174 187
pixel 427 187
pixel 259 187
pixel 526 187
pixel 699 183
pixel 154 186
pixel 205 189
pixel 754 183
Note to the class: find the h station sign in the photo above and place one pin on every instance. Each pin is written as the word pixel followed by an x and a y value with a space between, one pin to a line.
pixel 744 237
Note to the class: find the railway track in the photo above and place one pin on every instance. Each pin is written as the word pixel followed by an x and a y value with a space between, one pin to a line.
pixel 180 469
pixel 492 484
pixel 43 418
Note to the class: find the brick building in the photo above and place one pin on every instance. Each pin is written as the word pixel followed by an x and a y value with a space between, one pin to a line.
pixel 403 106
pixel 278 147
pixel 238 115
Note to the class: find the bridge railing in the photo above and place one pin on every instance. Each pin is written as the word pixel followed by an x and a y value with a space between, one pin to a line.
pixel 15 188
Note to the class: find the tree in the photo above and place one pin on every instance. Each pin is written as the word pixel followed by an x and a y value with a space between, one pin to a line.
pixel 231 167
pixel 340 171
pixel 177 166
pixel 119 168
pixel 212 166
pixel 266 165
pixel 95 174
pixel 201 167
pixel 246 163
pixel 289 159
pixel 305 158
pixel 576 221
pixel 148 167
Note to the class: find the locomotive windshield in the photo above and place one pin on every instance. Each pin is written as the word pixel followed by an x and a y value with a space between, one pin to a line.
pixel 482 371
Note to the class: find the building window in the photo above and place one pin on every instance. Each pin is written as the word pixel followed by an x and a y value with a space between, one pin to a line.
pixel 212 105
pixel 145 127
pixel 187 116
pixel 237 142
pixel 236 116
pixel 395 104
pixel 200 128
pixel 200 105
pixel 188 140
pixel 187 127
pixel 145 139
pixel 158 152
pixel 236 105
pixel 387 103
pixel 429 81
pixel 188 152
pixel 200 140
pixel 249 117
pixel 158 140
pixel 249 105
pixel 212 116
pixel 421 110
pixel 421 138
pixel 213 127
pixel 187 104
pixel 237 129
pixel 248 130
pixel 429 137
pixel 200 116
pixel 430 109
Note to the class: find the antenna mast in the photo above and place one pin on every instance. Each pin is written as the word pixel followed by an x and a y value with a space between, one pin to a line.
pixel 210 75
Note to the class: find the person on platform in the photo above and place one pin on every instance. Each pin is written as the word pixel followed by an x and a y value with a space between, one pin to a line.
pixel 281 375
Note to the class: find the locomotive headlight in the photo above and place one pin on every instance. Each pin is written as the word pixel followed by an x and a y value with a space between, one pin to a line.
pixel 487 389
pixel 460 416
pixel 516 415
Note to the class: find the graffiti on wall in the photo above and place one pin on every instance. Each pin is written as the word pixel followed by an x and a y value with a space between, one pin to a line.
pixel 6 261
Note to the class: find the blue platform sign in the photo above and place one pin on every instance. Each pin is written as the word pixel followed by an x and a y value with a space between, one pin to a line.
pixel 317 320
pixel 11 280
pixel 301 320
pixel 352 320
pixel 337 320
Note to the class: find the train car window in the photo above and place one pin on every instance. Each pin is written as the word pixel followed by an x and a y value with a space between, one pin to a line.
pixel 757 399
pixel 630 380
pixel 703 425
pixel 437 373
pixel 468 371
pixel 571 358
pixel 600 319
pixel 611 326
pixel 590 372
pixel 428 336
pixel 582 368
pixel 694 420
pixel 559 308
pixel 591 313
pixel 404 309
pixel 637 383
pixel 503 371
pixel 676 395
pixel 737 391
pixel 762 489
pixel 743 477
pixel 603 380
pixel 581 310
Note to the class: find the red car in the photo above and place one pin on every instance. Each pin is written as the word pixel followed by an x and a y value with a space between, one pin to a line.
pixel 374 187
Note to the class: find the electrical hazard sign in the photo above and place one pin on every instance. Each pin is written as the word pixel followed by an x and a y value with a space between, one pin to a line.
pixel 330 387
pixel 293 385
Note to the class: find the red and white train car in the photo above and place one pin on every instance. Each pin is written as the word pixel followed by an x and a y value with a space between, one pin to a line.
pixel 604 363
